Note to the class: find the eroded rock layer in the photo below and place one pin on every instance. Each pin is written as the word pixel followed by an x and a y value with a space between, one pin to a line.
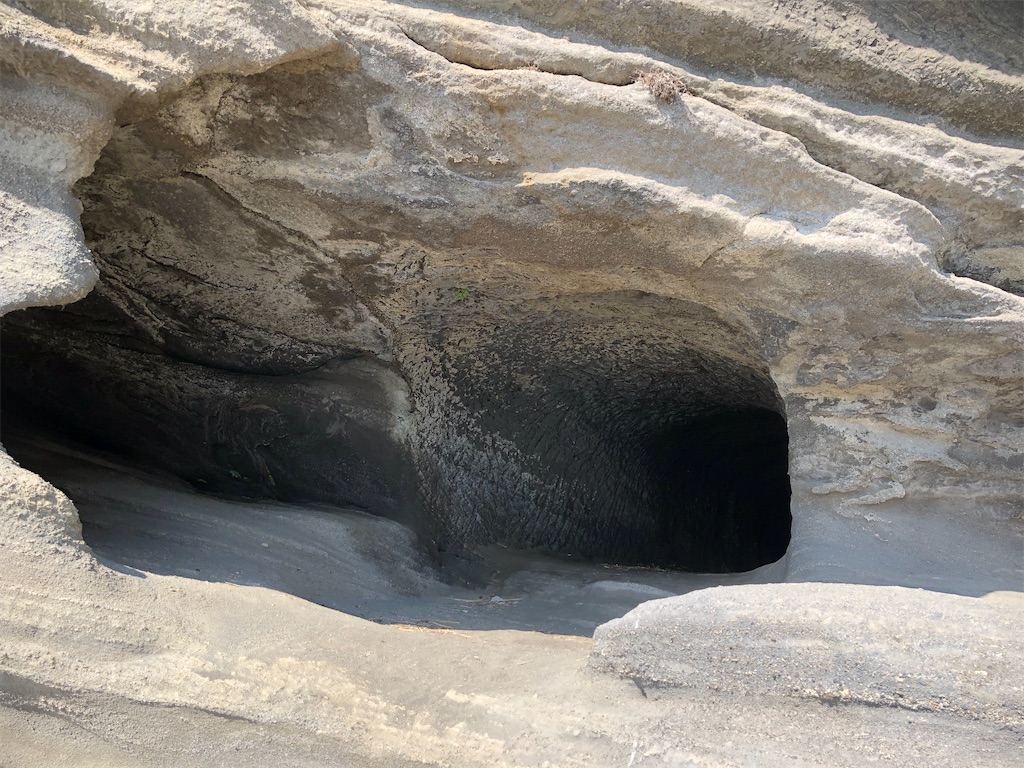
pixel 336 349
pixel 378 276
pixel 697 284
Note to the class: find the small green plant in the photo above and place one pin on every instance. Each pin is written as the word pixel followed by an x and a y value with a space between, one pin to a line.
pixel 461 293
pixel 663 85
pixel 235 474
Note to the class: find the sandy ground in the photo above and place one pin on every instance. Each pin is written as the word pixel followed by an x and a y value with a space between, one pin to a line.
pixel 55 728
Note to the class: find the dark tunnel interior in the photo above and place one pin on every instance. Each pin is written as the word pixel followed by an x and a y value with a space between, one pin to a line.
pixel 645 431
pixel 723 499
pixel 686 471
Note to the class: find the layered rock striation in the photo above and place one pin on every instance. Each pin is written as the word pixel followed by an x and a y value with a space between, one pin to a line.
pixel 461 265
pixel 409 269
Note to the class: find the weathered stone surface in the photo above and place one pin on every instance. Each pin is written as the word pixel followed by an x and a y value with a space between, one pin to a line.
pixel 842 644
pixel 450 263
pixel 273 222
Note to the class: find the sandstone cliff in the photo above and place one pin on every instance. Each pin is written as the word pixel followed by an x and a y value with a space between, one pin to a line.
pixel 715 286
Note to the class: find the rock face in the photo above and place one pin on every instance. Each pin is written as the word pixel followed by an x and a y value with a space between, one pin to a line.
pixel 461 265
pixel 842 644
pixel 409 272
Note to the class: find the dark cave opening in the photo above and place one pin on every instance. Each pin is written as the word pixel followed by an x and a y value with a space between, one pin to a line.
pixel 658 441
pixel 234 351
pixel 722 499
pixel 676 460
pixel 227 346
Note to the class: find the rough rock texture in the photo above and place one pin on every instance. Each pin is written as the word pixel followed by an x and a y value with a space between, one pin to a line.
pixel 450 263
pixel 559 307
pixel 834 643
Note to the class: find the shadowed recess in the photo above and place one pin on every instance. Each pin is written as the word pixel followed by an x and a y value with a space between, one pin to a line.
pixel 620 427
pixel 525 410
pixel 723 496
pixel 651 453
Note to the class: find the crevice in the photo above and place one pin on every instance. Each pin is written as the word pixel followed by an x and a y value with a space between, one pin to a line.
pixel 727 245
pixel 302 237
pixel 142 253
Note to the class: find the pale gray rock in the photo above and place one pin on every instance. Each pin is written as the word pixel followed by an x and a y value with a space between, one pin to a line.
pixel 453 264
pixel 844 644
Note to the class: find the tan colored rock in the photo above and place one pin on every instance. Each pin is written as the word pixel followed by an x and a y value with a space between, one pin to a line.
pixel 453 264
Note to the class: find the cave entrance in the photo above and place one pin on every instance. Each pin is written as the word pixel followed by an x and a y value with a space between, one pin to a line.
pixel 520 408
pixel 651 444
pixel 723 492
pixel 648 430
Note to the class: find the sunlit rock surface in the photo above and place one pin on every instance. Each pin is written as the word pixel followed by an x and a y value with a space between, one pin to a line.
pixel 452 265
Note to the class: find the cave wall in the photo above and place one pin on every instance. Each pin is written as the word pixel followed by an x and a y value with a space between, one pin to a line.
pixel 831 213
pixel 450 228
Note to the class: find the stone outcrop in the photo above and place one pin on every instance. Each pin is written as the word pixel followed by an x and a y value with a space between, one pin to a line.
pixel 842 644
pixel 522 316
pixel 458 265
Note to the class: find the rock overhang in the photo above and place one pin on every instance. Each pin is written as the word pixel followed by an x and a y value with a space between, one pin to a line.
pixel 900 384
pixel 204 297
pixel 285 218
